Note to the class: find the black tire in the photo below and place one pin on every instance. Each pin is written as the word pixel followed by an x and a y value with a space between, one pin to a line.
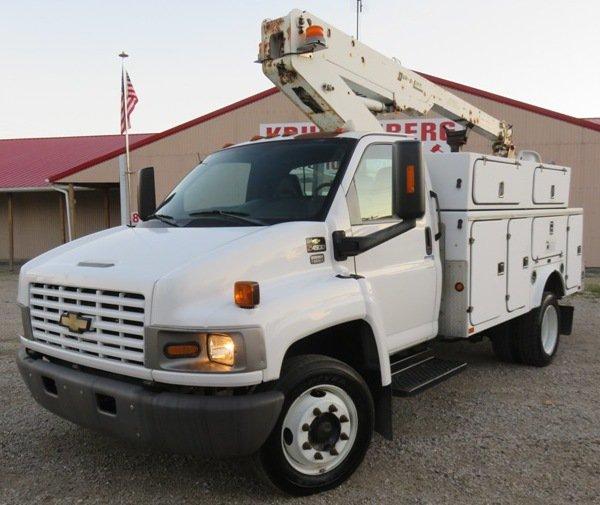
pixel 299 374
pixel 504 342
pixel 530 342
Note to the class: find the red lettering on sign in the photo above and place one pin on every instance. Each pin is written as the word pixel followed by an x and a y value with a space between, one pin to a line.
pixel 443 126
pixel 410 128
pixel 436 148
pixel 290 130
pixel 428 130
pixel 273 131
pixel 393 128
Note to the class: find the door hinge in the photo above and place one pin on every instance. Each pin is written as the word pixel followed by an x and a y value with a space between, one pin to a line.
pixel 471 240
pixel 508 236
pixel 469 309
pixel 507 297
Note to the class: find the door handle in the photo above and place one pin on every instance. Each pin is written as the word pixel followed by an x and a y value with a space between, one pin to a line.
pixel 428 242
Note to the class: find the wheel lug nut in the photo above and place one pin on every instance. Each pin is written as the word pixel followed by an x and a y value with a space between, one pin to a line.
pixel 333 451
pixel 332 408
pixel 305 427
pixel 318 455
pixel 344 436
pixel 306 446
pixel 317 412
pixel 343 419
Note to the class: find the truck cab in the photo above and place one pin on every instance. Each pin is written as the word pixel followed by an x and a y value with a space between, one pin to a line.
pixel 155 304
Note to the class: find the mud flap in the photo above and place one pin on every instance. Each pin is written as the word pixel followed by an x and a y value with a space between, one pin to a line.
pixel 566 319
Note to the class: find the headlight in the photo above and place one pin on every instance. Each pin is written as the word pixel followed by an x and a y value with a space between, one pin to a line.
pixel 221 349
pixel 218 350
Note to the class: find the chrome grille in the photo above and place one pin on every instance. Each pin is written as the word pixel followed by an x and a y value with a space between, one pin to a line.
pixel 117 321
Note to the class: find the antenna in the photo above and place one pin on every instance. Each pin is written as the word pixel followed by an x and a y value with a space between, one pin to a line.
pixel 359 6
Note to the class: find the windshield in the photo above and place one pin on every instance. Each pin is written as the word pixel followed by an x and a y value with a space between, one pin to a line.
pixel 259 184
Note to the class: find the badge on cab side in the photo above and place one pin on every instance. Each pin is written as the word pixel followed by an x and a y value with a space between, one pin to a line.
pixel 315 244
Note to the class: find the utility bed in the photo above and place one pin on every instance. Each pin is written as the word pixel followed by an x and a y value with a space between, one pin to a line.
pixel 503 222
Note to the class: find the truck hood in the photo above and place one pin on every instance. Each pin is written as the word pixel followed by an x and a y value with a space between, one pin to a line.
pixel 122 257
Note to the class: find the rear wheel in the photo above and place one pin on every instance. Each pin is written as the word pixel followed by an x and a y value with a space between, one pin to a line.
pixel 538 341
pixel 324 429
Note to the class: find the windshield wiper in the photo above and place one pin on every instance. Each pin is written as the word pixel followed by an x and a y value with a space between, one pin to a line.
pixel 240 216
pixel 164 218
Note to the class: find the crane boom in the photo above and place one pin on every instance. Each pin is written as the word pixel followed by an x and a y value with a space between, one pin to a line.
pixel 339 82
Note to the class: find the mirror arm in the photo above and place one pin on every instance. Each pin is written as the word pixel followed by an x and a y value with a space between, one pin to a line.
pixel 343 246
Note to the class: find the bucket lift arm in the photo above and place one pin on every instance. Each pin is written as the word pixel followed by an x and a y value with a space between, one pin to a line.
pixel 338 82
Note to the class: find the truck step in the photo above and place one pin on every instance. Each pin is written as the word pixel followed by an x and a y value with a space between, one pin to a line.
pixel 418 372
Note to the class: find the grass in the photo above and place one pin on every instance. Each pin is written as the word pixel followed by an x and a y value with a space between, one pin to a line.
pixel 592 289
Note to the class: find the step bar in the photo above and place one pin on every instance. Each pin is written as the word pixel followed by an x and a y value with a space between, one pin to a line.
pixel 417 372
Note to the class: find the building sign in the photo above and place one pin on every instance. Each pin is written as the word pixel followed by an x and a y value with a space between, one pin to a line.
pixel 430 131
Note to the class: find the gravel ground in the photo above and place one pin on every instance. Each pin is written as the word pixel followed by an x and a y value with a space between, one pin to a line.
pixel 494 434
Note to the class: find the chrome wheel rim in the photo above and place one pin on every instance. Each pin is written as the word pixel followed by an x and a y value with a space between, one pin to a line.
pixel 549 329
pixel 319 429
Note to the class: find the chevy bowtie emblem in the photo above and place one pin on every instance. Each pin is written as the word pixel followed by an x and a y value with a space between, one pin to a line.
pixel 75 322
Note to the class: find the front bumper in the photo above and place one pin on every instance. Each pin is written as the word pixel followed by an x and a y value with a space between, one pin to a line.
pixel 209 426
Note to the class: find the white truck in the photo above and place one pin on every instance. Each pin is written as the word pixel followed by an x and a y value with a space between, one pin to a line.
pixel 289 287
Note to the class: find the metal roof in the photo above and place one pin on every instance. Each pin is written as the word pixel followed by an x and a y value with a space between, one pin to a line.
pixel 26 164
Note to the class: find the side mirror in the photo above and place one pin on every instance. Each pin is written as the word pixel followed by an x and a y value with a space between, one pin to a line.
pixel 408 180
pixel 146 193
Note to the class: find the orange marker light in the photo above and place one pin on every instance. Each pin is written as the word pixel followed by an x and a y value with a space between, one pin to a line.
pixel 410 179
pixel 315 31
pixel 186 350
pixel 459 286
pixel 246 294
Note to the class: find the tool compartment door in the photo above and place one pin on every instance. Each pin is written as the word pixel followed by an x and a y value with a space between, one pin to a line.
pixel 518 264
pixel 488 275
pixel 574 251
pixel 550 185
pixel 496 183
pixel 549 237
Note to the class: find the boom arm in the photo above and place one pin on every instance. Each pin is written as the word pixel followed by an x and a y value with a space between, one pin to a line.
pixel 339 82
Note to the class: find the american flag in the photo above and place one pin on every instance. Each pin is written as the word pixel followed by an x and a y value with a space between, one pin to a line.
pixel 127 103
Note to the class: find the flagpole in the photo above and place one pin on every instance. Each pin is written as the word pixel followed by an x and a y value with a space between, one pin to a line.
pixel 124 55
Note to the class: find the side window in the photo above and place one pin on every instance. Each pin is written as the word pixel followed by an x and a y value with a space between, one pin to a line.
pixel 372 198
pixel 316 180
pixel 305 176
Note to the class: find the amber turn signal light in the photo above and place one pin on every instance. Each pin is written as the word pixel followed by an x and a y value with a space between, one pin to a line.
pixel 186 350
pixel 246 294
pixel 410 179
pixel 459 286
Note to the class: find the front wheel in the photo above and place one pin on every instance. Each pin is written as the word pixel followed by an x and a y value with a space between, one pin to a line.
pixel 324 429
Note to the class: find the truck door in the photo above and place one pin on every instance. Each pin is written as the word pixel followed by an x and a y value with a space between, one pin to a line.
pixel 401 273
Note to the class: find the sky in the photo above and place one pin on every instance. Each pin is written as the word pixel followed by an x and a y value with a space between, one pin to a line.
pixel 60 73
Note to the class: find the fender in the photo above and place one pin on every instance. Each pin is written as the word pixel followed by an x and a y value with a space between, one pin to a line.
pixel 543 273
pixel 302 310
